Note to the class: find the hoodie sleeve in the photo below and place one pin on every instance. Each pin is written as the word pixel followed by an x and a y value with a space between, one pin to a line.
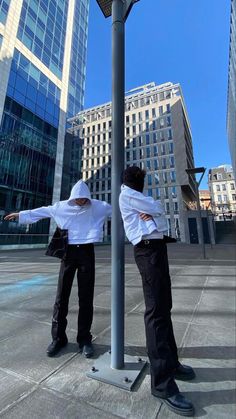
pixel 107 208
pixel 146 204
pixel 32 216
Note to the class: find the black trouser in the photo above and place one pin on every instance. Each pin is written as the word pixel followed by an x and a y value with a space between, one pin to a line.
pixel 152 261
pixel 80 258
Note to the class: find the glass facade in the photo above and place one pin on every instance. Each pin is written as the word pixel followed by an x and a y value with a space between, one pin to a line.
pixel 4 6
pixel 33 90
pixel 42 29
pixel 1 38
pixel 27 161
pixel 78 58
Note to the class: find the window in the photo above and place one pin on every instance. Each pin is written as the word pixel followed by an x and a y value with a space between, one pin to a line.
pixel 168 121
pixel 134 118
pixel 140 116
pixel 147 139
pixel 162 123
pixel 163 149
pixel 153 112
pixel 176 207
pixel 148 152
pixel 163 163
pixel 167 207
pixel 127 119
pixel 168 108
pixel 154 137
pixel 156 166
pixel 223 187
pixel 173 176
pixel 224 198
pixel 232 186
pixel 218 188
pixel 157 178
pixel 169 134
pixel 146 114
pixel 165 179
pixel 160 110
pixel 219 198
pixel 172 161
pixel 148 164
pixel 149 180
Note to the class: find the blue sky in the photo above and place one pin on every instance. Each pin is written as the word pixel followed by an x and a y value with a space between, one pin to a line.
pixel 185 41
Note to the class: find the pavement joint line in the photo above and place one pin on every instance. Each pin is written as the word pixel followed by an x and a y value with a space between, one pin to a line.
pixel 193 314
pixel 18 375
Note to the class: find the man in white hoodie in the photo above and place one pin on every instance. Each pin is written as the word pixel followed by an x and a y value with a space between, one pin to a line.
pixel 83 219
pixel 145 226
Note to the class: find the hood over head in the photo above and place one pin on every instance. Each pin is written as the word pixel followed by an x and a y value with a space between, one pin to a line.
pixel 79 190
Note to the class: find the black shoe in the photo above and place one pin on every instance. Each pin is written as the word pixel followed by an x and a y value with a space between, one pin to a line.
pixel 184 373
pixel 86 350
pixel 56 346
pixel 179 405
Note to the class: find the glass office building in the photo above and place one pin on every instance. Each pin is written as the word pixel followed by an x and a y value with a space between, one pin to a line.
pixel 42 66
pixel 231 109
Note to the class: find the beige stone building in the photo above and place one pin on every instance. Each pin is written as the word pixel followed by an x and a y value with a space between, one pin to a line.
pixel 221 182
pixel 157 138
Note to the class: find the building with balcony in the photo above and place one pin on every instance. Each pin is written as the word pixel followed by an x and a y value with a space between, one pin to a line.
pixel 157 138
pixel 221 183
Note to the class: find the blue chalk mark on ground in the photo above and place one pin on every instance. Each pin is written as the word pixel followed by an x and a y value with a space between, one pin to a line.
pixel 25 284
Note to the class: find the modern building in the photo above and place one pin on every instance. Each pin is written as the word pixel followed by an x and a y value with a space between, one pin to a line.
pixel 42 65
pixel 221 182
pixel 157 137
pixel 231 109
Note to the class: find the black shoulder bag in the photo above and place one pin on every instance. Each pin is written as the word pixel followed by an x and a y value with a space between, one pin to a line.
pixel 58 244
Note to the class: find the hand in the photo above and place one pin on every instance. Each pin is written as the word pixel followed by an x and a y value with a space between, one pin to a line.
pixel 145 217
pixel 11 217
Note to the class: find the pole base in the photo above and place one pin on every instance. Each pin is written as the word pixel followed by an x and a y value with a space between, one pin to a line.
pixel 124 378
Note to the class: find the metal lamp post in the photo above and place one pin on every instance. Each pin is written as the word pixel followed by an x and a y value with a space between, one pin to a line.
pixel 111 367
pixel 194 171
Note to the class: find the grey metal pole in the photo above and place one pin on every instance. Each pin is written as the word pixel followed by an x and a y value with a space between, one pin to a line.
pixel 117 244
pixel 200 223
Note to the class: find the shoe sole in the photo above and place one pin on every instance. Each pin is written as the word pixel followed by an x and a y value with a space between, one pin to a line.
pixel 181 412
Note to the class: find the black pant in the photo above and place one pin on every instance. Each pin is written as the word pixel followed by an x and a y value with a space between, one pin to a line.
pixel 80 258
pixel 152 261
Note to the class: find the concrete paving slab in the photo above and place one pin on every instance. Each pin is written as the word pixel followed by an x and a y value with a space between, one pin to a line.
pixel 44 403
pixel 203 325
pixel 12 389
pixel 25 353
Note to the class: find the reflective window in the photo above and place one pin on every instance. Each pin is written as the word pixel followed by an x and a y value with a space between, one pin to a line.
pixel 33 90
pixel 78 58
pixel 4 6
pixel 42 28
pixel 1 38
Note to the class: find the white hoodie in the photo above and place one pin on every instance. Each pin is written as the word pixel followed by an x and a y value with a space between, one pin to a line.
pixel 84 223
pixel 132 203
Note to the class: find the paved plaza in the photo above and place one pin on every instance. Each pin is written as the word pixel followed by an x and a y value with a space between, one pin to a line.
pixel 35 386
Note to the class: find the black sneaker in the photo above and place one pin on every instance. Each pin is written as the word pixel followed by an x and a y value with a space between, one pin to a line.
pixel 87 350
pixel 179 404
pixel 56 346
